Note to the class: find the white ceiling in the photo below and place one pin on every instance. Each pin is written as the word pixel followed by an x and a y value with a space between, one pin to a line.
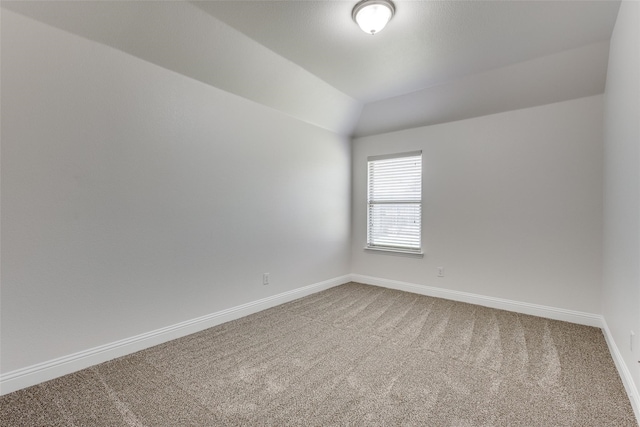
pixel 436 61
pixel 425 44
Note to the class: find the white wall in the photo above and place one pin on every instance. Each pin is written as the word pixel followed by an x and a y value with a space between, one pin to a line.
pixel 512 205
pixel 621 284
pixel 134 198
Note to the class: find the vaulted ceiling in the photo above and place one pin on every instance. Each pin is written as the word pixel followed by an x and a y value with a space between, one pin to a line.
pixel 436 61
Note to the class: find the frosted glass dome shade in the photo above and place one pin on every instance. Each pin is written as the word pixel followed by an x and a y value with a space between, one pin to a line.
pixel 373 15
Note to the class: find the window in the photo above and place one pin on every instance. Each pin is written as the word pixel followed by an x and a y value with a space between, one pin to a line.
pixel 394 211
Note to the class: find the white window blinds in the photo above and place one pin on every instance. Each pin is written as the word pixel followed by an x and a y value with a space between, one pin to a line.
pixel 395 202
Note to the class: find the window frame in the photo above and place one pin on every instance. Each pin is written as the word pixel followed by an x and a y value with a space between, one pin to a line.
pixel 395 249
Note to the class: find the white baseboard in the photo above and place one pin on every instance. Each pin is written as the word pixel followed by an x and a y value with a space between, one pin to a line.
pixel 623 370
pixel 499 303
pixel 35 374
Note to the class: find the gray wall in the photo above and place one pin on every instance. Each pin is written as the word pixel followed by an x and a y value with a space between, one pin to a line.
pixel 512 205
pixel 621 284
pixel 134 198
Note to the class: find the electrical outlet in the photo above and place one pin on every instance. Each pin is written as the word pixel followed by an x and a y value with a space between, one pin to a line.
pixel 265 278
pixel 440 271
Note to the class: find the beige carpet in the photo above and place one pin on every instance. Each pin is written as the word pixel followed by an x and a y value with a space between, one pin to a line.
pixel 354 355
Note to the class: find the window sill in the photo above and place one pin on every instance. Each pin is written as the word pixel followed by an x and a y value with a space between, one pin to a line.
pixel 397 252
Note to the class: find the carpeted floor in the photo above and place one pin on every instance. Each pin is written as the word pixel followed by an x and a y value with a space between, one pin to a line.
pixel 354 355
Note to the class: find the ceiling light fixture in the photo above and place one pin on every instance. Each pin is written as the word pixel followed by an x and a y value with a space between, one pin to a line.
pixel 373 15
